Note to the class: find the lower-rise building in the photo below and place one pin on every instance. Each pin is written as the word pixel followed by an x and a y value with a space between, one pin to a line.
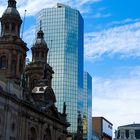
pixel 128 132
pixel 95 136
pixel 87 99
pixel 102 127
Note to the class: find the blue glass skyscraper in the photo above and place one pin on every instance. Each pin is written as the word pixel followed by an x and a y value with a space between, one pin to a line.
pixel 63 30
pixel 87 98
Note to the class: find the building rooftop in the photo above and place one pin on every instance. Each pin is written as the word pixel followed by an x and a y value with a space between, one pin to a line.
pixel 97 117
pixel 60 5
pixel 131 125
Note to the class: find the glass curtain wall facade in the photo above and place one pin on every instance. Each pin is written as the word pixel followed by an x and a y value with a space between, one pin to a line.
pixel 63 30
pixel 87 98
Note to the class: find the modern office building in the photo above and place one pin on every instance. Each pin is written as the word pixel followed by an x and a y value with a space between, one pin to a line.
pixel 102 128
pixel 128 132
pixel 87 98
pixel 63 30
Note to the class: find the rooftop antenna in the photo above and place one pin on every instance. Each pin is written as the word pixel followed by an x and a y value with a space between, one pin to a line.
pixel 23 24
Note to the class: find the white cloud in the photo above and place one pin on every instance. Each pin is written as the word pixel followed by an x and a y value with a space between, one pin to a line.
pixel 117 99
pixel 122 39
pixel 2 8
pixel 123 22
pixel 100 15
pixel 29 36
pixel 33 7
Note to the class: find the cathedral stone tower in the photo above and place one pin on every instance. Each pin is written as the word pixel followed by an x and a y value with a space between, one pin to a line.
pixel 39 69
pixel 12 48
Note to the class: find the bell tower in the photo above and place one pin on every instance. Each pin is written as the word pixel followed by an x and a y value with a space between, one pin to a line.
pixel 11 21
pixel 39 69
pixel 40 48
pixel 12 48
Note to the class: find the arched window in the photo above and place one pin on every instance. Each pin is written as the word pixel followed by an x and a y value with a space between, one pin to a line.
pixel 122 135
pixel 13 27
pixel 13 66
pixel 7 27
pixel 1 32
pixel 13 127
pixel 47 135
pixel 37 54
pixel 12 137
pixel 34 82
pixel 42 54
pixel 3 62
pixel 1 127
pixel 20 65
pixel 32 134
pixel 0 121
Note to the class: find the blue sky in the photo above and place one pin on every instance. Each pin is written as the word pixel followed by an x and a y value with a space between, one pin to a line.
pixel 112 52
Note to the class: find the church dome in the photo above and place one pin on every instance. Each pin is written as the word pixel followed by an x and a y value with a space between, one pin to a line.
pixel 40 39
pixel 11 11
pixel 40 48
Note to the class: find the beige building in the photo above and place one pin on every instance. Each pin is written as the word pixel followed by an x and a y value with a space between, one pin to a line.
pixel 128 132
pixel 27 100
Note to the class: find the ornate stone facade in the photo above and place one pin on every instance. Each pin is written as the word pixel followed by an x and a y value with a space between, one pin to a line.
pixel 12 47
pixel 128 132
pixel 39 68
pixel 27 104
pixel 20 120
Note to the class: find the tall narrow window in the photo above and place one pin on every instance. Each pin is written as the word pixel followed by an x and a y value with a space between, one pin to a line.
pixel 0 122
pixel 37 54
pixel 13 27
pixel 20 65
pixel 131 135
pixel 33 134
pixel 13 67
pixel 42 54
pixel 34 82
pixel 122 135
pixel 47 135
pixel 1 32
pixel 7 27
pixel 3 62
pixel 0 128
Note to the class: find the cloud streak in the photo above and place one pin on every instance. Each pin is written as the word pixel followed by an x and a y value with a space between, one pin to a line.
pixel 122 39
pixel 117 99
pixel 100 15
pixel 29 36
pixel 33 7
